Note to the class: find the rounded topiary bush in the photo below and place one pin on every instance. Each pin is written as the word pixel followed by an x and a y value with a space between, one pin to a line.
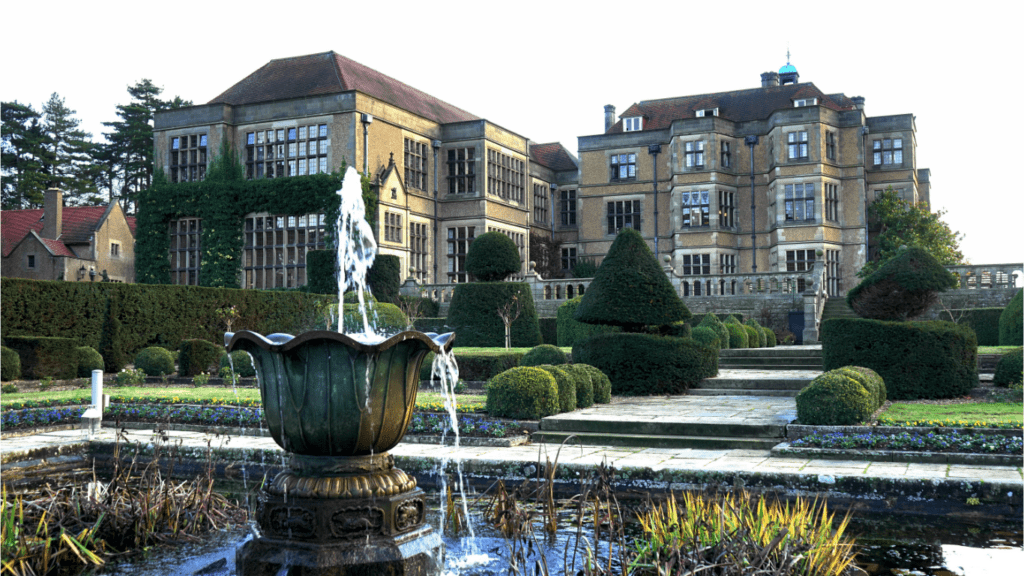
pixel 543 354
pixel 602 385
pixel 566 383
pixel 1011 322
pixel 155 361
pixel 869 379
pixel 242 363
pixel 584 384
pixel 196 356
pixel 90 359
pixel 738 336
pixel 1009 368
pixel 707 336
pixel 644 364
pixel 833 399
pixel 10 364
pixel 769 337
pixel 712 321
pixel 525 392
pixel 492 257
pixel 762 339
pixel 753 336
pixel 386 319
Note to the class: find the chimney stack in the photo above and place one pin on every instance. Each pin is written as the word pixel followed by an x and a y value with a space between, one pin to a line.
pixel 858 101
pixel 609 117
pixel 53 212
pixel 769 79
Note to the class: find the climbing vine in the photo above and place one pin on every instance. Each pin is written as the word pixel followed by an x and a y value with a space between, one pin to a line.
pixel 221 201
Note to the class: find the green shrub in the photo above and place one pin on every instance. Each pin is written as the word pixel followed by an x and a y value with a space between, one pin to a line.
pixel 242 362
pixel 762 339
pixel 753 336
pixel 1009 368
pixel 713 322
pixel 1011 331
pixel 585 268
pixel 707 336
pixel 904 287
pixel 154 361
pixel 984 322
pixel 423 307
pixel 477 365
pixel 384 278
pixel 525 392
pixel 321 272
pixel 584 384
pixel 88 360
pixel 566 383
pixel 738 336
pixel 9 388
pixel 678 329
pixel 630 289
pixel 643 364
pixel 769 337
pixel 870 380
pixel 570 331
pixel 431 324
pixel 112 345
pixel 352 297
pixel 543 354
pixel 915 359
pixel 130 377
pixel 548 330
pixel 45 357
pixel 197 356
pixel 386 319
pixel 833 399
pixel 492 257
pixel 473 316
pixel 10 364
pixel 602 385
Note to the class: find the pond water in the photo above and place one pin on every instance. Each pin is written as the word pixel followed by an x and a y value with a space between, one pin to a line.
pixel 888 546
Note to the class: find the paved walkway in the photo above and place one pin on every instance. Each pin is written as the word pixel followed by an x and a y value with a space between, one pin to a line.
pixel 702 409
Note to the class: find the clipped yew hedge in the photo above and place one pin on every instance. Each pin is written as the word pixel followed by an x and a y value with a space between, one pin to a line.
pixel 915 359
pixel 1011 322
pixel 43 357
pixel 145 315
pixel 476 365
pixel 645 365
pixel 984 322
pixel 473 315
pixel 570 330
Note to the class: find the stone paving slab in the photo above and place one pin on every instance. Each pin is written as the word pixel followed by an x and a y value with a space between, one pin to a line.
pixel 688 409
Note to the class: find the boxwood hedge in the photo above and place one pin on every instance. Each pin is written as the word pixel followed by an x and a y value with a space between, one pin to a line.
pixel 526 392
pixel 984 322
pixel 644 364
pixel 834 399
pixel 473 315
pixel 915 359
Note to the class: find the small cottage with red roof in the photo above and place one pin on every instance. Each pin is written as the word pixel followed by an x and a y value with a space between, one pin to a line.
pixel 75 243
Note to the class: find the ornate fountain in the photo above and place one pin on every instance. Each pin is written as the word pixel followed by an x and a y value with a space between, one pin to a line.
pixel 337 405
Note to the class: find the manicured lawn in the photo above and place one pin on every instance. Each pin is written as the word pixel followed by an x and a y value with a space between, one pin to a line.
pixel 980 414
pixel 995 349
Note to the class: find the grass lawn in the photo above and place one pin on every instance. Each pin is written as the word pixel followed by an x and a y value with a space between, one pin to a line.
pixel 1001 414
pixel 424 400
pixel 995 349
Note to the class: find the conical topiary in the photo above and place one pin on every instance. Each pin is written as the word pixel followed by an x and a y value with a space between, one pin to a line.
pixel 630 289
pixel 1010 325
pixel 903 288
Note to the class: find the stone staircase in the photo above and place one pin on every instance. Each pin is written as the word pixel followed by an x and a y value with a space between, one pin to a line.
pixel 779 371
pixel 836 308
pixel 779 358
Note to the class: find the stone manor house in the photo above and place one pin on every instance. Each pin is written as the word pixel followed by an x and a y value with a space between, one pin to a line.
pixel 772 178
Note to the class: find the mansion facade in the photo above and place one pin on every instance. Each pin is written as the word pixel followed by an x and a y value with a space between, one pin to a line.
pixel 766 179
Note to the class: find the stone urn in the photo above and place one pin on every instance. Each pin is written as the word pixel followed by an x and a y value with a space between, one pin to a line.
pixel 337 405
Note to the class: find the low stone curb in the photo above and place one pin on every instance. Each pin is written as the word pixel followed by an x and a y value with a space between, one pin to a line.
pixel 38 430
pixel 798 431
pixel 786 450
pixel 507 442
pixel 225 430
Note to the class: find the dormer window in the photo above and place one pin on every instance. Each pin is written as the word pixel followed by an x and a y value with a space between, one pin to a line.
pixel 707 112
pixel 633 124
pixel 805 102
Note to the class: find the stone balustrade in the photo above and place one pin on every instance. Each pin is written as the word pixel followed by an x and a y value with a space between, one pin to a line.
pixel 987 276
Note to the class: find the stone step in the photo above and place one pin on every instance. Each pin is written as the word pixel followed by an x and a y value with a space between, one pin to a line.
pixel 752 384
pixel 776 352
pixel 792 360
pixel 654 441
pixel 655 428
pixel 742 392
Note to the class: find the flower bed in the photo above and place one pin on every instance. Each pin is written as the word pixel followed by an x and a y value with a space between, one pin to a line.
pixel 947 423
pixel 953 441
pixel 36 417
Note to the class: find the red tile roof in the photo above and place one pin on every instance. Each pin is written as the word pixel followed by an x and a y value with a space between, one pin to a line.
pixel 332 73
pixel 554 156
pixel 57 248
pixel 738 105
pixel 77 225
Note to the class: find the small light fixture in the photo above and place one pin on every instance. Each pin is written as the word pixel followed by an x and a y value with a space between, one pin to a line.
pixel 81 272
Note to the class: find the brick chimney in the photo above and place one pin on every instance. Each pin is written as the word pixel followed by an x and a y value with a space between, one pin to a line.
pixel 769 79
pixel 609 117
pixel 858 101
pixel 53 212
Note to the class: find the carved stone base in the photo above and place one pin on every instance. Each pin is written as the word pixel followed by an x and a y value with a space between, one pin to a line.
pixel 382 535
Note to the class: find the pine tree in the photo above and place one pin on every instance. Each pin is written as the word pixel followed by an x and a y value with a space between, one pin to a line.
pixel 67 163
pixel 23 153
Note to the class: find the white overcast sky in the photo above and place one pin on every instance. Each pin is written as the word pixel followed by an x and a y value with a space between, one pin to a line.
pixel 545 69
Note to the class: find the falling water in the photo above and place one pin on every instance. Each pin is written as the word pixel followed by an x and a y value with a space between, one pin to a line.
pixel 356 251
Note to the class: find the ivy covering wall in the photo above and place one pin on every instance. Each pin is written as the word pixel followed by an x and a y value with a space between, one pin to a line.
pixel 222 200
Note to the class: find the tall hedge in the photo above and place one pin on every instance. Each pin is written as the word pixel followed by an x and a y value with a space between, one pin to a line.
pixel 147 315
pixel 1011 331
pixel 644 364
pixel 45 357
pixel 473 315
pixel 321 272
pixel 915 359
pixel 630 289
pixel 571 331
pixel 984 322
pixel 385 277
